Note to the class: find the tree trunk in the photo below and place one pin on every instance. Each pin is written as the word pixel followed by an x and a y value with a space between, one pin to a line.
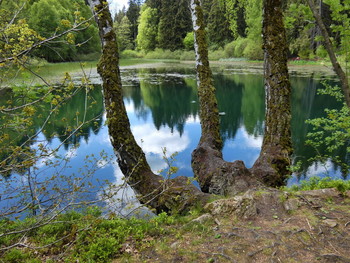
pixel 329 47
pixel 213 173
pixel 272 165
pixel 161 194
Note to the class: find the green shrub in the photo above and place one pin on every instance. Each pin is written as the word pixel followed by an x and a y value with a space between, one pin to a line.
pixel 88 57
pixel 189 41
pixel 253 50
pixel 128 53
pixel 187 55
pixel 90 237
pixel 321 52
pixel 230 49
pixel 316 182
pixel 217 54
pixel 159 53
pixel 240 45
pixel 15 255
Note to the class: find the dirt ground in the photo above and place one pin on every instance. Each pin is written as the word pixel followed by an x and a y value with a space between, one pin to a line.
pixel 310 226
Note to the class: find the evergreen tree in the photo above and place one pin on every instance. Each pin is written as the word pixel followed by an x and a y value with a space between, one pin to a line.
pixel 154 4
pixel 119 15
pixel 133 14
pixel 124 34
pixel 218 26
pixel 175 23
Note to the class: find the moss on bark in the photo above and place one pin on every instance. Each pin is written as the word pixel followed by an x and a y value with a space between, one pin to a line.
pixel 213 173
pixel 272 164
pixel 160 194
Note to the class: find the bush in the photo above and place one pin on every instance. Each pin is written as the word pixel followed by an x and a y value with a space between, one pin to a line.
pixel 253 50
pixel 88 57
pixel 230 49
pixel 15 255
pixel 159 53
pixel 187 55
pixel 321 52
pixel 189 41
pixel 240 45
pixel 128 53
pixel 217 54
pixel 316 182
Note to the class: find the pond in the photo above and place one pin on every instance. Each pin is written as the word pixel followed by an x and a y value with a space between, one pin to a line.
pixel 162 106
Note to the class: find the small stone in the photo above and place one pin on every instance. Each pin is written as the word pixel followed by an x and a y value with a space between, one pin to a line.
pixel 347 193
pixel 291 204
pixel 175 245
pixel 331 222
pixel 203 218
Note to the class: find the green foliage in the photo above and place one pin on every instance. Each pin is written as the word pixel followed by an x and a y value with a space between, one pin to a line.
pixel 298 28
pixel 245 47
pixel 216 54
pixel 332 133
pixel 89 237
pixel 51 17
pixel 218 29
pixel 230 50
pixel 235 14
pixel 123 33
pixel 253 50
pixel 341 25
pixel 189 41
pixel 315 182
pixel 175 22
pixel 168 54
pixel 321 52
pixel 15 256
pixel 130 54
pixel 133 14
pixel 147 29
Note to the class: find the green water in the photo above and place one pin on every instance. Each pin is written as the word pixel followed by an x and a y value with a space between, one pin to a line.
pixel 162 106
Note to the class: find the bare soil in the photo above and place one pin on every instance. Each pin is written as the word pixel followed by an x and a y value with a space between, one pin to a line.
pixel 310 226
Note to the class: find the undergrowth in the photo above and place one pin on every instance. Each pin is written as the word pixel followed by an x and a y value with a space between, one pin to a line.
pixel 315 182
pixel 78 237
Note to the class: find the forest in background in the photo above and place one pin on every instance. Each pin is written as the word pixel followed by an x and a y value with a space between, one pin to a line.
pixel 233 28
pixel 56 232
pixel 163 29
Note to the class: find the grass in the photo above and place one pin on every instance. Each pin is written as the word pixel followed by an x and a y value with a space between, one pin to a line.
pixel 79 237
pixel 315 182
pixel 307 62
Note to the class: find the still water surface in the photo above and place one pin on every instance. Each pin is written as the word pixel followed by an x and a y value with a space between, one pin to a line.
pixel 162 106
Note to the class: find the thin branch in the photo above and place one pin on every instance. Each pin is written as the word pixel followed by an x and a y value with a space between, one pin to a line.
pixel 73 29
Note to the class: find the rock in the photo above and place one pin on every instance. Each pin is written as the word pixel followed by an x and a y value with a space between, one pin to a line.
pixel 347 193
pixel 222 206
pixel 291 204
pixel 242 206
pixel 331 222
pixel 175 245
pixel 322 193
pixel 203 218
pixel 335 258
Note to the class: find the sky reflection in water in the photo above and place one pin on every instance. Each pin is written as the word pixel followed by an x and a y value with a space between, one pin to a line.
pixel 163 111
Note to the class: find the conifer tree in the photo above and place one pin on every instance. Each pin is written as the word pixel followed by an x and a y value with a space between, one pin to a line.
pixel 175 23
pixel 133 14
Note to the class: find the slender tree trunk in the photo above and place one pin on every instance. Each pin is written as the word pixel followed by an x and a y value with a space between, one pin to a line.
pixel 161 194
pixel 272 165
pixel 212 172
pixel 329 47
